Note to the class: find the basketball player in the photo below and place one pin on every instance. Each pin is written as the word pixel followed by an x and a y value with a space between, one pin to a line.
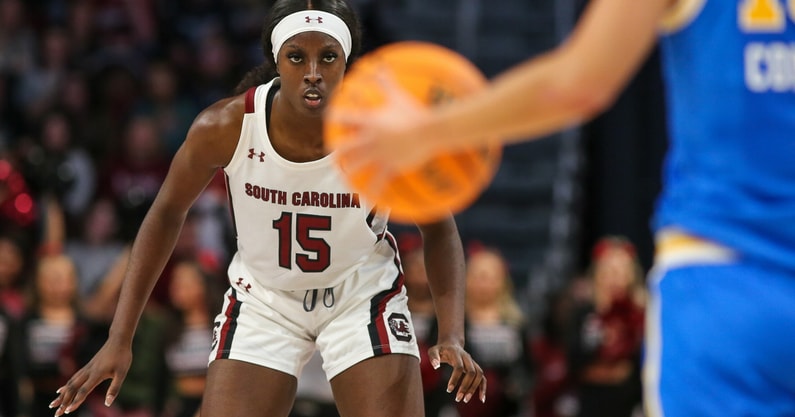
pixel 316 266
pixel 722 315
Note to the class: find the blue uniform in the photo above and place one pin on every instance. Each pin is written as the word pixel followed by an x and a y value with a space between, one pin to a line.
pixel 721 330
pixel 730 172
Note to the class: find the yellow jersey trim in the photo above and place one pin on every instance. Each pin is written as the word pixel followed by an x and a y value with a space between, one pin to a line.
pixel 676 247
pixel 681 14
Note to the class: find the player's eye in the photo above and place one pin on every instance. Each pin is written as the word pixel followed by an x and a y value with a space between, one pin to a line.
pixel 294 58
pixel 329 58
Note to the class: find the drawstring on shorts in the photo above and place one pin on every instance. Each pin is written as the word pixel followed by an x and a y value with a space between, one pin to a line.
pixel 328 299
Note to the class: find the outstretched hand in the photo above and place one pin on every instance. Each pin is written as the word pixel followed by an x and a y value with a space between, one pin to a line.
pixel 381 138
pixel 467 374
pixel 111 362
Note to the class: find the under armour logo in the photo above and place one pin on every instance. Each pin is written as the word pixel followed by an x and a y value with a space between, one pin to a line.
pixel 252 154
pixel 240 284
pixel 318 19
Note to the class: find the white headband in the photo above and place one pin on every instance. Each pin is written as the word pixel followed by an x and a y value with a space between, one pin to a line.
pixel 310 21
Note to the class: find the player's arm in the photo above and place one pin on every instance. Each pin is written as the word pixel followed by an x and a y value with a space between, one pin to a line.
pixel 566 86
pixel 209 145
pixel 444 262
pixel 553 91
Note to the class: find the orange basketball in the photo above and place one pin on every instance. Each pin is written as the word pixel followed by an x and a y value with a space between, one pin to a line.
pixel 447 183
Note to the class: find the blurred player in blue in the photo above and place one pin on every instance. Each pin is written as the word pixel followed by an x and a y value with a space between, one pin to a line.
pixel 721 332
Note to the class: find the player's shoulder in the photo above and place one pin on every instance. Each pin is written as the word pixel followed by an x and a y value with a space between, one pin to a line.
pixel 215 132
pixel 222 116
pixel 680 13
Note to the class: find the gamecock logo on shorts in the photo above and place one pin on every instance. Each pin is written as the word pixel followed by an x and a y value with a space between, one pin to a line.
pixel 399 326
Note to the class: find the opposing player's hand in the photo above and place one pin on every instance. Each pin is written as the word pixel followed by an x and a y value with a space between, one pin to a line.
pixel 111 362
pixel 467 374
pixel 383 138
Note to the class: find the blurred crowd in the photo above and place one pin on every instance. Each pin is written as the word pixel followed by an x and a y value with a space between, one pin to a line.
pixel 95 98
pixel 581 358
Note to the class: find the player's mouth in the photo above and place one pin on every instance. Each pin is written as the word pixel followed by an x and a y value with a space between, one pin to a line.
pixel 313 98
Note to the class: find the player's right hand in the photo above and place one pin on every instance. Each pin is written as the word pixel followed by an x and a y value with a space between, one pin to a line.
pixel 112 361
pixel 381 138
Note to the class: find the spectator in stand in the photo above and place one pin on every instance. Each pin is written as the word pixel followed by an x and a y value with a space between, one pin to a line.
pixel 97 245
pixel 116 90
pixel 55 166
pixel 497 335
pixel 553 390
pixel 423 317
pixel 17 39
pixel 90 131
pixel 38 86
pixel 607 336
pixel 195 296
pixel 14 259
pixel 10 365
pixel 50 326
pixel 165 103
pixel 217 66
pixel 133 176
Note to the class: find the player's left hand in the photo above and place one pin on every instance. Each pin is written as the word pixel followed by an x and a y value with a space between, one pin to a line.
pixel 467 374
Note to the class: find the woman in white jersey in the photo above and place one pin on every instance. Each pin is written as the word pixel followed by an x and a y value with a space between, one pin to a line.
pixel 315 268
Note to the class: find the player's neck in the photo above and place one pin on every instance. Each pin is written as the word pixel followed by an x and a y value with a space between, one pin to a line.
pixel 297 138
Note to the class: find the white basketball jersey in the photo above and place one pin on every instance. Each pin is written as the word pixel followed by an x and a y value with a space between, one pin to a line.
pixel 299 226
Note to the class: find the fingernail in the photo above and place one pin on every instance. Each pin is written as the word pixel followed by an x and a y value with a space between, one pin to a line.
pixel 458 397
pixel 52 404
pixel 58 391
pixel 68 410
pixel 108 400
pixel 449 389
pixel 483 398
pixel 435 363
pixel 467 398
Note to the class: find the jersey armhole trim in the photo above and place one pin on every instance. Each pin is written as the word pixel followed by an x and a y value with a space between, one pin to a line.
pixel 250 99
pixel 681 14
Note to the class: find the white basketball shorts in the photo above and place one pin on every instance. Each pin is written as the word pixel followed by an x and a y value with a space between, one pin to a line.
pixel 365 316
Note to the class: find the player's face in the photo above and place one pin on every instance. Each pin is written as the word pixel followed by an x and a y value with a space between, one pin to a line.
pixel 311 65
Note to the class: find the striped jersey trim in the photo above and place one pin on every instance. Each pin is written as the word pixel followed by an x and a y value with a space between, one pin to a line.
pixel 379 337
pixel 231 203
pixel 229 327
pixel 250 99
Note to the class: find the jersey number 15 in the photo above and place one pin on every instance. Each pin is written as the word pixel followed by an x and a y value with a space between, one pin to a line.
pixel 318 247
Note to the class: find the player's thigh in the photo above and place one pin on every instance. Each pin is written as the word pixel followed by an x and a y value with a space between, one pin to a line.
pixel 239 389
pixel 718 342
pixel 382 386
